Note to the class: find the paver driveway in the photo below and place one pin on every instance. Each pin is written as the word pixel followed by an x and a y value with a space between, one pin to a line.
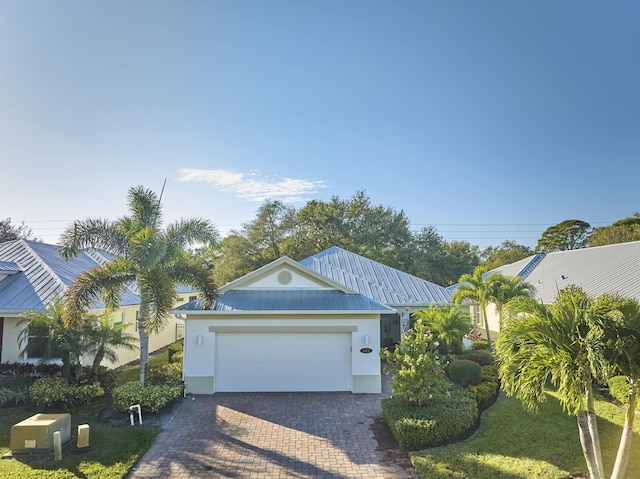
pixel 275 435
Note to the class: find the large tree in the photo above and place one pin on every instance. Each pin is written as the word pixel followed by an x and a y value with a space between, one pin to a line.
pixel 566 235
pixel 621 231
pixel 562 345
pixel 144 254
pixel 508 252
pixel 10 232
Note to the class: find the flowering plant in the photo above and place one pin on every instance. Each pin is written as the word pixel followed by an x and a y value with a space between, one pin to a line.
pixel 414 367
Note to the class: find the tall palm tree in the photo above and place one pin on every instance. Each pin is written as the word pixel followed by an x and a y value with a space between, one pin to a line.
pixel 561 343
pixel 479 289
pixel 504 288
pixel 447 324
pixel 623 352
pixel 143 253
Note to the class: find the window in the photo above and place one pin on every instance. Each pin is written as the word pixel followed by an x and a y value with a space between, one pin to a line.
pixel 37 341
pixel 192 298
pixel 117 318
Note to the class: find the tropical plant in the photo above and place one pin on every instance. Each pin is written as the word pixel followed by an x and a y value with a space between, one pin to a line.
pixel 561 344
pixel 478 288
pixel 505 288
pixel 448 326
pixel 47 332
pixel 105 338
pixel 143 253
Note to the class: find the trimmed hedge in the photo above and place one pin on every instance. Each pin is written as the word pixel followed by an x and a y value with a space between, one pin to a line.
pixel 483 358
pixel 28 369
pixel 487 391
pixel 151 398
pixel 49 392
pixel 440 422
pixel 174 349
pixel 465 372
pixel 168 373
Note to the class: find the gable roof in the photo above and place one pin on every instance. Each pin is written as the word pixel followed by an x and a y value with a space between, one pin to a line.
pixel 41 274
pixel 303 290
pixel 601 269
pixel 376 281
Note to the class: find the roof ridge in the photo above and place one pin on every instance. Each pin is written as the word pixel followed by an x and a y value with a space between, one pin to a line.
pixel 45 267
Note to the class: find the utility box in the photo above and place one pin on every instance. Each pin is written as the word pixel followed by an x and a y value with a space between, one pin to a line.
pixel 83 437
pixel 35 434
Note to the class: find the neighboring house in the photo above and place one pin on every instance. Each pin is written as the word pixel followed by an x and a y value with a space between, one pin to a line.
pixel 602 269
pixel 283 327
pixel 401 291
pixel 33 274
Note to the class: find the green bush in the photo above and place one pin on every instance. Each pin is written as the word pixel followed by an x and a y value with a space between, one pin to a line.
pixel 49 392
pixel 619 389
pixel 151 398
pixel 168 373
pixel 13 396
pixel 480 344
pixel 439 422
pixel 483 358
pixel 178 357
pixel 465 372
pixel 176 348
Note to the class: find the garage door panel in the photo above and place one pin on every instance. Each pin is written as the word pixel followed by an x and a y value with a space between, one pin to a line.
pixel 283 362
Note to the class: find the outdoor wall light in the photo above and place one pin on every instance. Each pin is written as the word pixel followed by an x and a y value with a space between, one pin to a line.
pixel 366 340
pixel 199 339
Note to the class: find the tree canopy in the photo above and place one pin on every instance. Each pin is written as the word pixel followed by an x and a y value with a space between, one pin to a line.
pixel 10 232
pixel 566 235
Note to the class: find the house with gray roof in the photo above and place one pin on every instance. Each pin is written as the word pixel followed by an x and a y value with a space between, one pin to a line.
pixel 403 292
pixel 602 269
pixel 33 275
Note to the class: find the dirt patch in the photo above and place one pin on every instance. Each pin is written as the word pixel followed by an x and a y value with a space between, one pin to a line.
pixel 391 452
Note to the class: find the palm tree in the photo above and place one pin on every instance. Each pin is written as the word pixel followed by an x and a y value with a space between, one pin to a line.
pixel 105 338
pixel 479 289
pixel 563 344
pixel 447 324
pixel 47 332
pixel 144 254
pixel 505 288
pixel 623 341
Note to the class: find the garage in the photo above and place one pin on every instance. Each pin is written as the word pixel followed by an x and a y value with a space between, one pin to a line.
pixel 279 362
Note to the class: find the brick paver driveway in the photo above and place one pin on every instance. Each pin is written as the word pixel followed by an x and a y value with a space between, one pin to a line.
pixel 275 435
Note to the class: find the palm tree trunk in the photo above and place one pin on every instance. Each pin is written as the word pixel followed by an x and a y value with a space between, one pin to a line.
pixel 587 445
pixel 144 341
pixel 593 428
pixel 486 325
pixel 96 361
pixel 622 458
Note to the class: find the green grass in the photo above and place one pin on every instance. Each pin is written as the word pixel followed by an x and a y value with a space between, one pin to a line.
pixel 113 449
pixel 514 444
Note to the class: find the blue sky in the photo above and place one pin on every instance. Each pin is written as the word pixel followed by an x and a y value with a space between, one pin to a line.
pixel 489 120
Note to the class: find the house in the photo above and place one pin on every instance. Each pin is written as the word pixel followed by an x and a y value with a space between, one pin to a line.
pixel 283 327
pixel 602 269
pixel 33 274
pixel 402 292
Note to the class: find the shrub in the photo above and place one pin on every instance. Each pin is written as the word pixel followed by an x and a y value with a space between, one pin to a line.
pixel 415 367
pixel 465 372
pixel 151 398
pixel 441 421
pixel 480 344
pixel 27 369
pixel 168 373
pixel 175 348
pixel 619 389
pixel 178 357
pixel 13 396
pixel 108 378
pixel 483 358
pixel 49 392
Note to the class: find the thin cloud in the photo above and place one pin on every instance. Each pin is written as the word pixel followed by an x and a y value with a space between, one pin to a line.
pixel 253 186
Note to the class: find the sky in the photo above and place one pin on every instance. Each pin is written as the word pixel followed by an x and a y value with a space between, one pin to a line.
pixel 489 121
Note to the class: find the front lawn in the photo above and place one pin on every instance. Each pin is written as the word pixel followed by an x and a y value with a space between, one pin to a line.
pixel 514 444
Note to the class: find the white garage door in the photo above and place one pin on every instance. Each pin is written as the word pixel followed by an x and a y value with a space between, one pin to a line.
pixel 274 362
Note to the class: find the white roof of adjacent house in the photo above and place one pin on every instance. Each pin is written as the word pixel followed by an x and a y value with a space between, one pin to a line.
pixel 376 281
pixel 602 269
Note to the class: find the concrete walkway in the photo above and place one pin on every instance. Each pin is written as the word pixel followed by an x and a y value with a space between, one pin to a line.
pixel 276 435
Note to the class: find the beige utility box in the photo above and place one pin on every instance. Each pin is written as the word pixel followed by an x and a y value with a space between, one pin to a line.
pixel 35 434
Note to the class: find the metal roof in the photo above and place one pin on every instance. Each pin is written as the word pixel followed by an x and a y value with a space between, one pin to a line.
pixel 602 269
pixel 289 300
pixel 9 267
pixel 43 275
pixel 375 280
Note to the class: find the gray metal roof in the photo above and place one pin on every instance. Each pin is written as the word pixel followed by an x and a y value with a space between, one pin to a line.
pixel 601 269
pixel 9 267
pixel 43 275
pixel 289 300
pixel 375 280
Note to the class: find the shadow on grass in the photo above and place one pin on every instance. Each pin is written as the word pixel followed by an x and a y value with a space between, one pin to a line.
pixel 512 443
